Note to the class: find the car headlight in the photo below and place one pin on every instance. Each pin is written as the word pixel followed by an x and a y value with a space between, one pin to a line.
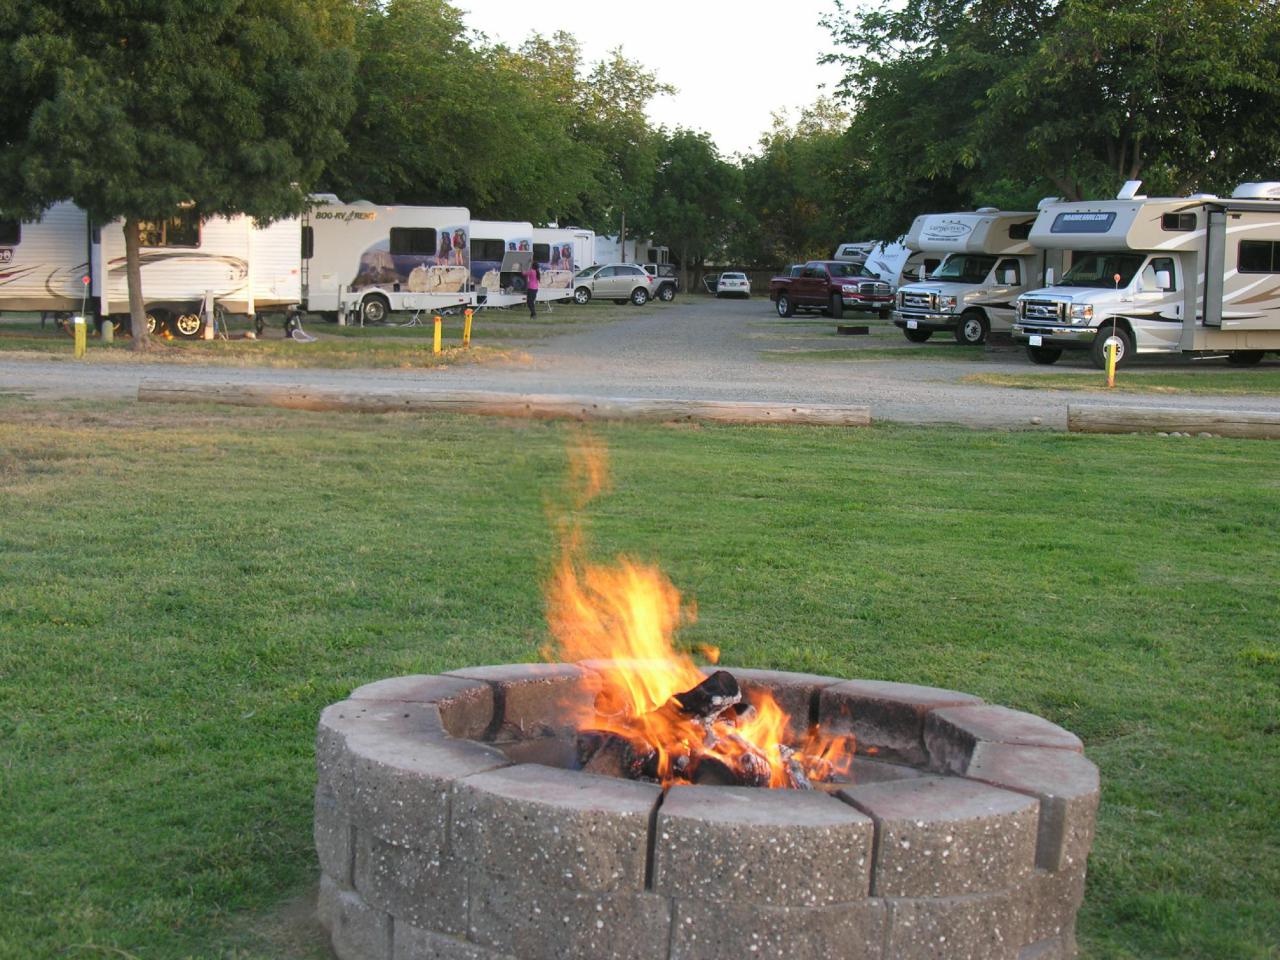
pixel 947 303
pixel 1081 312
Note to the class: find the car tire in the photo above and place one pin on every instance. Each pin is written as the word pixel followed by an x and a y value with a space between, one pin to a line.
pixel 917 336
pixel 1098 353
pixel 639 296
pixel 973 328
pixel 582 296
pixel 667 294
pixel 375 309
pixel 1244 358
pixel 1044 356
pixel 837 306
pixel 784 306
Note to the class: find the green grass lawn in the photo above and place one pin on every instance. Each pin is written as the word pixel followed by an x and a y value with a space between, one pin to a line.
pixel 1257 381
pixel 183 589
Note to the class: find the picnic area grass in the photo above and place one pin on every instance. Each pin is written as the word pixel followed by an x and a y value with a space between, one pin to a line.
pixel 1263 381
pixel 185 588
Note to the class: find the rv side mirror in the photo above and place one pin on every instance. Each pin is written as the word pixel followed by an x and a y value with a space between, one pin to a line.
pixel 1048 277
pixel 1164 280
pixel 1009 278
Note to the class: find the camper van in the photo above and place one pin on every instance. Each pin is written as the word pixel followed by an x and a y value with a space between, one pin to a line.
pixel 1196 275
pixel 561 252
pixel 43 262
pixel 501 252
pixel 365 260
pixel 989 261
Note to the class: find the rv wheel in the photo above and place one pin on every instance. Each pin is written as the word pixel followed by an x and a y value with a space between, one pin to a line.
pixel 375 309
pixel 917 336
pixel 582 296
pixel 1044 355
pixel 1244 358
pixel 156 320
pixel 1111 333
pixel 188 325
pixel 972 329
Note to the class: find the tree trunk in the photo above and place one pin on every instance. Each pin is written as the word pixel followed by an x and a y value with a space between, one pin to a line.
pixel 133 271
pixel 684 268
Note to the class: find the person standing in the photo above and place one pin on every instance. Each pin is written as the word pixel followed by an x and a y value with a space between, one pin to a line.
pixel 531 289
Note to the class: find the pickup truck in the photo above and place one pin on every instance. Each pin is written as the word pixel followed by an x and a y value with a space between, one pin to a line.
pixel 832 287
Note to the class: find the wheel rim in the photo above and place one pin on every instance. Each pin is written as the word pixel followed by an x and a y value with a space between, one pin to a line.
pixel 639 297
pixel 374 311
pixel 668 293
pixel 1118 341
pixel 188 324
pixel 581 296
pixel 972 330
pixel 782 306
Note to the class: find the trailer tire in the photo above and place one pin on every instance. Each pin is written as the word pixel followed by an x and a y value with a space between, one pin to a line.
pixel 784 306
pixel 973 328
pixel 375 309
pixel 582 296
pixel 188 325
pixel 1124 343
pixel 837 306
pixel 917 336
pixel 639 296
pixel 1044 356
pixel 1244 358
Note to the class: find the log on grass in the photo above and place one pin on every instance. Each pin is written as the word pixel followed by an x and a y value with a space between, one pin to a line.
pixel 537 406
pixel 1096 418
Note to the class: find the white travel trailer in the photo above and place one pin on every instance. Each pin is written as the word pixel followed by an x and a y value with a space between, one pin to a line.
pixel 893 262
pixel 500 252
pixel 989 261
pixel 365 260
pixel 1195 275
pixel 561 252
pixel 43 262
pixel 635 250
pixel 192 267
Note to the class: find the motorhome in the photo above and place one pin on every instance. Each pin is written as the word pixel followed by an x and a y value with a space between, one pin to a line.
pixel 561 252
pixel 988 261
pixel 364 260
pixel 893 262
pixel 43 262
pixel 1192 275
pixel 501 251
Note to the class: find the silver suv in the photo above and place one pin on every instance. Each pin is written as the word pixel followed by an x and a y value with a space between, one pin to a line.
pixel 618 282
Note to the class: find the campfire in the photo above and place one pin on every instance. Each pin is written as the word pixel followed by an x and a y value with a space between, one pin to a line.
pixel 655 715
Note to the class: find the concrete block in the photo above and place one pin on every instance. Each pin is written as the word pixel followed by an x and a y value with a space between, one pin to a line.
pixel 951 733
pixel 466 706
pixel 553 827
pixel 755 846
pixel 333 837
pixel 1067 786
pixel 425 889
pixel 977 927
pixel 945 836
pixel 532 699
pixel 370 719
pixel 537 923
pixel 356 930
pixel 885 717
pixel 704 930
pixel 411 943
pixel 795 693
pixel 1051 899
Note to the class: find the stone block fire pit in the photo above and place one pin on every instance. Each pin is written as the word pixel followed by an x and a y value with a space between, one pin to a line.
pixel 451 824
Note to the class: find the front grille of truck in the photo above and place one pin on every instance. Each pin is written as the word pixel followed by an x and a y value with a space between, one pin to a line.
pixel 873 289
pixel 919 301
pixel 1043 310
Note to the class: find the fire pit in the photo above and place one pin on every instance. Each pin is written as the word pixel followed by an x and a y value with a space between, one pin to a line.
pixel 454 820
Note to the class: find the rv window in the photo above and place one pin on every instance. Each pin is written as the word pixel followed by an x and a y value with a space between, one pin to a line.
pixel 10 232
pixel 487 250
pixel 413 241
pixel 1258 256
pixel 542 252
pixel 1020 231
pixel 1082 222
pixel 1178 221
pixel 308 243
pixel 180 231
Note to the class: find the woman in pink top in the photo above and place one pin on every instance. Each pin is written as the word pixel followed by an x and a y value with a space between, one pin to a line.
pixel 531 289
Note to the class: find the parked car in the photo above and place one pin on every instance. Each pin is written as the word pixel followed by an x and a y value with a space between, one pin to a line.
pixel 668 281
pixel 832 287
pixel 618 282
pixel 733 285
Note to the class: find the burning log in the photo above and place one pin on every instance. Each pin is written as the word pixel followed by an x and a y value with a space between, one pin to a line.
pixel 712 697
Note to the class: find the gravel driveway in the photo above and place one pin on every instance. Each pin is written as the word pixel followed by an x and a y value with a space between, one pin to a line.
pixel 695 348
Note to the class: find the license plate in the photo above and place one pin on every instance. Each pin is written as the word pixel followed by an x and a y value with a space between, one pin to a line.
pixel 911 324
pixel 1036 340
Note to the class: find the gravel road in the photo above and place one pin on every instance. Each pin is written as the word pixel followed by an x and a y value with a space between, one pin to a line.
pixel 695 348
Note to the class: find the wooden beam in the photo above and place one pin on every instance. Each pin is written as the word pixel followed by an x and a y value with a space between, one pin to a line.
pixel 1223 423
pixel 544 406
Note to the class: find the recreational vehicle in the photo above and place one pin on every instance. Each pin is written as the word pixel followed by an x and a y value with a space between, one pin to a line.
pixel 1196 275
pixel 613 250
pixel 367 260
pixel 989 261
pixel 895 263
pixel 561 252
pixel 501 252
pixel 43 262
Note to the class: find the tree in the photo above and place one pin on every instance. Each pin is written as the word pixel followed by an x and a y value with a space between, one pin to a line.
pixel 138 109
pixel 695 201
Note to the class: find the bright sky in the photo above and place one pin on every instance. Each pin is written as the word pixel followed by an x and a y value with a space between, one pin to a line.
pixel 733 62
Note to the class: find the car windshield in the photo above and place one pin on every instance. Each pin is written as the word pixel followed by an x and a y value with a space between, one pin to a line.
pixel 964 268
pixel 845 269
pixel 1093 269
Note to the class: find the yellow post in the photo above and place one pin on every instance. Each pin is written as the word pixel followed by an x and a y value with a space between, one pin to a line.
pixel 1112 349
pixel 466 327
pixel 435 345
pixel 81 332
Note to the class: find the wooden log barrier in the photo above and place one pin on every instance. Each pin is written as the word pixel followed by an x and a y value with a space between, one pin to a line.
pixel 1223 423
pixel 534 406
